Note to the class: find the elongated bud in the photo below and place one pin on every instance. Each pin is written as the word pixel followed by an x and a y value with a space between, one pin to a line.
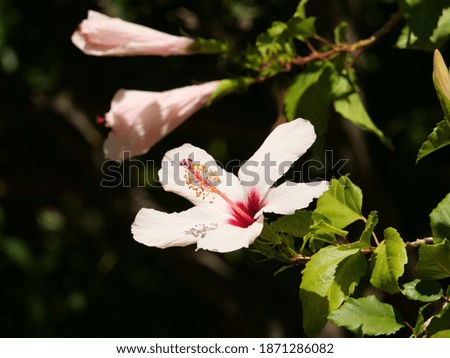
pixel 441 75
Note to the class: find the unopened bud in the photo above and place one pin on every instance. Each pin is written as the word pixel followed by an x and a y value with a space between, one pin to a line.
pixel 441 75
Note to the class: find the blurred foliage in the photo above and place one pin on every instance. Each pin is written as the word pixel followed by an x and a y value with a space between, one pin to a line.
pixel 68 264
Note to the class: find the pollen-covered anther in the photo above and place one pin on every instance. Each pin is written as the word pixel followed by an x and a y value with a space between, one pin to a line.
pixel 201 180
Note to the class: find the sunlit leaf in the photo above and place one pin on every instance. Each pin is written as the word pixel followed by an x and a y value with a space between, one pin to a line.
pixel 367 316
pixel 329 278
pixel 341 203
pixel 388 262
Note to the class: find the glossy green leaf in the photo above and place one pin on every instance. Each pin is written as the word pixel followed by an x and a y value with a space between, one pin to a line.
pixel 351 107
pixel 439 326
pixel 367 316
pixel 329 278
pixel 309 96
pixel 440 137
pixel 341 203
pixel 388 262
pixel 297 224
pixel 434 261
pixel 427 24
pixel 440 221
pixel 424 291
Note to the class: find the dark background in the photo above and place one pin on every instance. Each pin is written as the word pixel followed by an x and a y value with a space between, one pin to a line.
pixel 68 264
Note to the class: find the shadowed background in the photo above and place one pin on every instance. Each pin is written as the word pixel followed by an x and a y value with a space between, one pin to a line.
pixel 68 264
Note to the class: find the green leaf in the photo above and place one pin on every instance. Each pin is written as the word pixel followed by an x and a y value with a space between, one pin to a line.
pixel 440 137
pixel 301 29
pixel 424 291
pixel 341 203
pixel 419 327
pixel 340 33
pixel 297 224
pixel 300 11
pixel 388 262
pixel 310 95
pixel 367 316
pixel 440 221
pixel 268 233
pixel 427 24
pixel 329 278
pixel 321 227
pixel 366 235
pixel 434 261
pixel 439 326
pixel 351 107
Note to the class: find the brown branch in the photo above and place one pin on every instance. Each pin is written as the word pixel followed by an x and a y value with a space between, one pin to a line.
pixel 418 242
pixel 349 48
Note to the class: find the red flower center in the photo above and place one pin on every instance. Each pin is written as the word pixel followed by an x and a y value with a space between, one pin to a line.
pixel 251 207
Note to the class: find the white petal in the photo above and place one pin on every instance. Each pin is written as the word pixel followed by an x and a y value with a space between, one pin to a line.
pixel 101 35
pixel 158 229
pixel 230 238
pixel 141 118
pixel 286 143
pixel 173 176
pixel 289 196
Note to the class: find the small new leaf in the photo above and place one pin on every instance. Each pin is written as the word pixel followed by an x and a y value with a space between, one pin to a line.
pixel 329 278
pixel 342 203
pixel 366 235
pixel 367 316
pixel 388 262
pixel 440 221
pixel 434 261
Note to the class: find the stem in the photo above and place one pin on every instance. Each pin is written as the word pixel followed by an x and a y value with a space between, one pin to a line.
pixel 349 48
pixel 418 242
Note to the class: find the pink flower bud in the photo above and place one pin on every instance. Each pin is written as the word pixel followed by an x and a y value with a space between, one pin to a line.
pixel 101 35
pixel 139 119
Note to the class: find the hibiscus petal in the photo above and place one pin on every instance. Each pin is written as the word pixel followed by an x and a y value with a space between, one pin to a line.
pixel 158 229
pixel 176 178
pixel 230 238
pixel 286 143
pixel 101 35
pixel 139 119
pixel 289 196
